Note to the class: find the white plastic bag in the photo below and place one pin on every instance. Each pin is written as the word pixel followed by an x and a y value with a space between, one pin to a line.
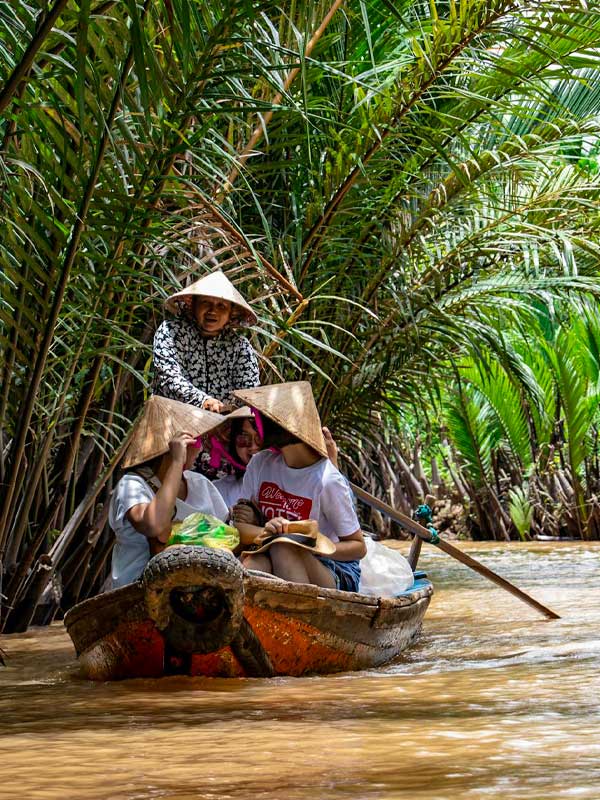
pixel 383 571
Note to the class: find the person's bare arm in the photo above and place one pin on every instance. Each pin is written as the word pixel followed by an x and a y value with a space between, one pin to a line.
pixel 154 519
pixel 249 534
pixel 331 446
pixel 350 547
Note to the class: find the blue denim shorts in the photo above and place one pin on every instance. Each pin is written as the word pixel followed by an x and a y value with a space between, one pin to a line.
pixel 346 573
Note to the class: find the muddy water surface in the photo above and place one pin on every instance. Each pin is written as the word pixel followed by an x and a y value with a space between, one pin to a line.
pixel 493 702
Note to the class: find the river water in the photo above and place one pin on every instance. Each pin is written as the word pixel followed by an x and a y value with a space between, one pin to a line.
pixel 493 701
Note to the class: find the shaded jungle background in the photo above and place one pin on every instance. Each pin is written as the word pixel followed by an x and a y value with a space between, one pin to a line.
pixel 407 192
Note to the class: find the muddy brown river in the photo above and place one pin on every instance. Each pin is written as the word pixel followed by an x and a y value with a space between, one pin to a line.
pixel 493 702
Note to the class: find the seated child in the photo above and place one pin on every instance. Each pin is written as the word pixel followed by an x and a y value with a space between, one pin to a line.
pixel 161 489
pixel 242 442
pixel 295 480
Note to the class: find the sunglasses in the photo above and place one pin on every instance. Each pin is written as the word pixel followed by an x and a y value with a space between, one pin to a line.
pixel 246 440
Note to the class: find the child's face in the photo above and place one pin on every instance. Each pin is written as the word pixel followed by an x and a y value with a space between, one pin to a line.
pixel 211 314
pixel 247 442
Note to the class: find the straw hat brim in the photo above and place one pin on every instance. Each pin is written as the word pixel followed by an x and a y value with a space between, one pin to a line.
pixel 240 413
pixel 244 412
pixel 161 420
pixel 322 547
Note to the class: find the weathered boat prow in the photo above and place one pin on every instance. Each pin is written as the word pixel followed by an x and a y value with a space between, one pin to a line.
pixel 197 611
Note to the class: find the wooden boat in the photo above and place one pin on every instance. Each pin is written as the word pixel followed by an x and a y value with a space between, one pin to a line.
pixel 197 611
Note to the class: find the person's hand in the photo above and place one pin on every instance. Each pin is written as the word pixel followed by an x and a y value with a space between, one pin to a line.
pixel 178 447
pixel 243 511
pixel 332 448
pixel 277 525
pixel 212 404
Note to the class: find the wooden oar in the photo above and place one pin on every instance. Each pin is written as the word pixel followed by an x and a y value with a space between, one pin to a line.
pixel 426 536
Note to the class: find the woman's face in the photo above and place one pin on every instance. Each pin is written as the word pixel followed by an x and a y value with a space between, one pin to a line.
pixel 211 314
pixel 247 442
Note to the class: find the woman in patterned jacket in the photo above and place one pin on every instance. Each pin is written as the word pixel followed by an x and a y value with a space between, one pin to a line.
pixel 198 357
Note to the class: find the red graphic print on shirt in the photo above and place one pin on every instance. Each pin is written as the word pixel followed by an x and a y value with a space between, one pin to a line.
pixel 274 502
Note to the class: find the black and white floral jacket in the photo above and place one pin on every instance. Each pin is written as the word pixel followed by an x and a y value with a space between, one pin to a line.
pixel 190 367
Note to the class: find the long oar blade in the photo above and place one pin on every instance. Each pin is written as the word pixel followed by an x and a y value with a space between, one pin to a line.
pixel 425 535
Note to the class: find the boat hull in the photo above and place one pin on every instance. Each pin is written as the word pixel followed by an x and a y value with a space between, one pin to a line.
pixel 206 615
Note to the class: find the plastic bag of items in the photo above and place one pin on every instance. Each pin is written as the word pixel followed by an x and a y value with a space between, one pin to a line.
pixel 384 572
pixel 206 531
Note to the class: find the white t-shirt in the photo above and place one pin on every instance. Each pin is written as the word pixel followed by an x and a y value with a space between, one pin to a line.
pixel 230 489
pixel 317 492
pixel 132 549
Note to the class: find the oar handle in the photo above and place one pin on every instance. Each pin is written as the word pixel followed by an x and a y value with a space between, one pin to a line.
pixel 426 536
pixel 407 522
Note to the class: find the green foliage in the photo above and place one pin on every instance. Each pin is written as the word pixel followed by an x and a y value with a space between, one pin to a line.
pixel 472 430
pixel 504 399
pixel 555 409
pixel 520 510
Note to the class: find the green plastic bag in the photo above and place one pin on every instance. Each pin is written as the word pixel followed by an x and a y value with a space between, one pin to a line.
pixel 206 531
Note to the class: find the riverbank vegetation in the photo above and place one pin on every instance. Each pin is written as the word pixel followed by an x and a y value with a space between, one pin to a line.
pixel 408 191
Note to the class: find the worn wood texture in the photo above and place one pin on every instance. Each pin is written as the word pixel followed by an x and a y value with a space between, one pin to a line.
pixel 287 629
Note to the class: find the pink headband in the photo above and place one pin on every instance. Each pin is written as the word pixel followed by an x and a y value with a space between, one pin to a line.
pixel 259 423
pixel 218 452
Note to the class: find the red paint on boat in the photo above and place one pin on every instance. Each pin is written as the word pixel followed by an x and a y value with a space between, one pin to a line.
pixel 293 646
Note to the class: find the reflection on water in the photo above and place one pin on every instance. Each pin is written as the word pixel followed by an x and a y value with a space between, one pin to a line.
pixel 493 701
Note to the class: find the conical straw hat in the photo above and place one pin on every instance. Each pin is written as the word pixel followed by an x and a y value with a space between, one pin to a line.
pixel 245 412
pixel 161 420
pixel 216 284
pixel 290 405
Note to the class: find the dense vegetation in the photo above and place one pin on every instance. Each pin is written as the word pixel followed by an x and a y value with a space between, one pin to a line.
pixel 407 190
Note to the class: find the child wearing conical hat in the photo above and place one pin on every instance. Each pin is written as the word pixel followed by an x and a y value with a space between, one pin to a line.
pixel 241 442
pixel 199 357
pixel 159 487
pixel 295 480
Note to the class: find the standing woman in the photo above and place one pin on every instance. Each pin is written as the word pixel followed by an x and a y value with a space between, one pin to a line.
pixel 199 358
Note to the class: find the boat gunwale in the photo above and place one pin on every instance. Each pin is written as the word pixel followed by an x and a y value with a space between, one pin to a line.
pixel 254 583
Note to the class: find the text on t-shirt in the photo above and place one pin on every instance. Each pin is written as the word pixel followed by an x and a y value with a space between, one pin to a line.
pixel 275 502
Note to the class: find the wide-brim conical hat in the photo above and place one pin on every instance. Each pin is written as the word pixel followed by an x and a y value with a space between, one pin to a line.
pixel 216 284
pixel 244 412
pixel 161 420
pixel 290 405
